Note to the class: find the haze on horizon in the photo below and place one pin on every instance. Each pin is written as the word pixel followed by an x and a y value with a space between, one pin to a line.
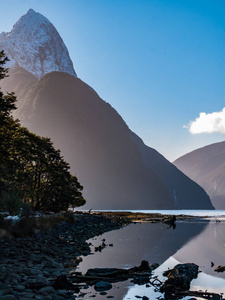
pixel 158 63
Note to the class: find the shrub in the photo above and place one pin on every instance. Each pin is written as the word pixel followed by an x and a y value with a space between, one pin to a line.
pixel 12 203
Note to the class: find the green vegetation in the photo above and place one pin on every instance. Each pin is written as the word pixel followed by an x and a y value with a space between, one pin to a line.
pixel 32 172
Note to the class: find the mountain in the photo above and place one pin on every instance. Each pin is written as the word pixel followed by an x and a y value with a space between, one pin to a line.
pixel 117 170
pixel 184 191
pixel 35 45
pixel 206 166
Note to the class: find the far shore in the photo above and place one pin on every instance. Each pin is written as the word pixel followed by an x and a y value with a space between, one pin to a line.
pixel 142 216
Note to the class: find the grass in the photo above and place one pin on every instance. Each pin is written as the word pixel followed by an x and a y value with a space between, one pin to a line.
pixel 28 226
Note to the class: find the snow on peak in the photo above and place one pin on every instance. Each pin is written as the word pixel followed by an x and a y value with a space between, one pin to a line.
pixel 35 45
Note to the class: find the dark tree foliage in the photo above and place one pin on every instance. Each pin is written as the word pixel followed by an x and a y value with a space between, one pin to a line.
pixel 29 164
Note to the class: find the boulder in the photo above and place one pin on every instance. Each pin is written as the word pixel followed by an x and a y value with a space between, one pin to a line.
pixel 179 279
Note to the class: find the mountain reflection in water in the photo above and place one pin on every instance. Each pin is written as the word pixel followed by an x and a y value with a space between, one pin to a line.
pixel 207 247
pixel 141 241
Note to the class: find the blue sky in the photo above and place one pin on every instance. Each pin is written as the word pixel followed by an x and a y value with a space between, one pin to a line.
pixel 159 63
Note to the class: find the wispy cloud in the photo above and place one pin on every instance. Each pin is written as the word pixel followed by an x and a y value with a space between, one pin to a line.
pixel 208 123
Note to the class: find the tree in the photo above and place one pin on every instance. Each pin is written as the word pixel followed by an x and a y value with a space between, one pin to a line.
pixel 30 166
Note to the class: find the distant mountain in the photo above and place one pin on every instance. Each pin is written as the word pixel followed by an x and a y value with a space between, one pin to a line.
pixel 206 166
pixel 117 170
pixel 35 45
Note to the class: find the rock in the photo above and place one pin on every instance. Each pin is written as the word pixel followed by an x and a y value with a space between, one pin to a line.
pixel 103 286
pixel 4 286
pixel 19 288
pixel 35 284
pixel 5 289
pixel 28 271
pixel 28 296
pixel 179 279
pixel 50 270
pixel 220 269
pixel 47 290
pixel 103 293
pixel 61 292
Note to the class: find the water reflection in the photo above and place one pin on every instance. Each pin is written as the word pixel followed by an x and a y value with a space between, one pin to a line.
pixel 132 244
pixel 206 248
pixel 198 241
pixel 137 242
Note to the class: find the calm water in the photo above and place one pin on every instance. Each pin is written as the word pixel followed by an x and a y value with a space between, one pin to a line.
pixel 197 240
pixel 190 212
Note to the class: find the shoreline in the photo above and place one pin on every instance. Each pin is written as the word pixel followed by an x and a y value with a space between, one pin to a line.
pixel 39 266
pixel 139 217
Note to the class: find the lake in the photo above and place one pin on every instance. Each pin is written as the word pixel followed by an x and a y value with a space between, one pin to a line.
pixel 197 240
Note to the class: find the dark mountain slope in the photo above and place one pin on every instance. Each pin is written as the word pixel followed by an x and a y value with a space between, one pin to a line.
pixel 207 167
pixel 185 192
pixel 95 141
pixel 117 170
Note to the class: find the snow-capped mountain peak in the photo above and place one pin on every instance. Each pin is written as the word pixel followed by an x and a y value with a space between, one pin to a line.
pixel 35 45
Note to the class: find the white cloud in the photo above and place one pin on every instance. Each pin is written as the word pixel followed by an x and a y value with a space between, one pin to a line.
pixel 208 123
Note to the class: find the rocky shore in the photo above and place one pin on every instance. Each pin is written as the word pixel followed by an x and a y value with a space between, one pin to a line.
pixel 37 266
pixel 42 265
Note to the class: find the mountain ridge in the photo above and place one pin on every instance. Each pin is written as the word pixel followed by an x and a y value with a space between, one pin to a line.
pixel 35 45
